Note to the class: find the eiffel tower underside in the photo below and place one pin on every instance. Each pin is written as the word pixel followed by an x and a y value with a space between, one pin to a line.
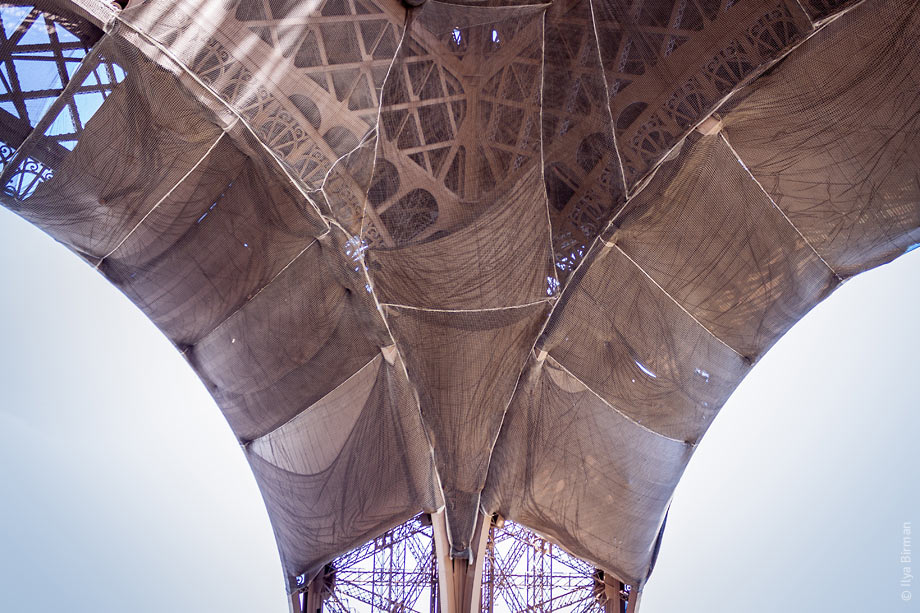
pixel 476 260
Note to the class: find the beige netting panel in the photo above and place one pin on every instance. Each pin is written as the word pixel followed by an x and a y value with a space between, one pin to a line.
pixel 305 76
pixel 669 64
pixel 202 228
pixel 387 238
pixel 499 259
pixel 224 250
pixel 309 442
pixel 707 234
pixel 139 145
pixel 835 144
pixel 312 327
pixel 632 344
pixel 464 366
pixel 346 469
pixel 586 475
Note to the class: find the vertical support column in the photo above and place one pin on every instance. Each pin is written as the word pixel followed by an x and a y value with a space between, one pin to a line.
pixel 442 559
pixel 313 598
pixel 613 599
pixel 635 595
pixel 460 580
pixel 614 602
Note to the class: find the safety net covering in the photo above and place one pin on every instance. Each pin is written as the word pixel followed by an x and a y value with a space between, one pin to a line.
pixel 491 256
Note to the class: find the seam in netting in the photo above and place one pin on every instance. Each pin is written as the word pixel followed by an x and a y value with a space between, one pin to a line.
pixel 259 291
pixel 501 424
pixel 558 299
pixel 776 206
pixel 675 301
pixel 484 310
pixel 308 408
pixel 613 134
pixel 618 411
pixel 328 221
pixel 162 199
pixel 549 219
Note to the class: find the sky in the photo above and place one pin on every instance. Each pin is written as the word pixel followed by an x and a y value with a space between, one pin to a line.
pixel 123 488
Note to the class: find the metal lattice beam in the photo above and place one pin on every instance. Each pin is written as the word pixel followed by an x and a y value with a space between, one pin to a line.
pixel 521 572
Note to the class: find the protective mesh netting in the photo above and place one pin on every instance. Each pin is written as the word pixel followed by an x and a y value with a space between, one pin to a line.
pixel 487 255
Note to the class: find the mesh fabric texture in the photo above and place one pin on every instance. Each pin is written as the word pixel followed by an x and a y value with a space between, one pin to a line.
pixel 477 255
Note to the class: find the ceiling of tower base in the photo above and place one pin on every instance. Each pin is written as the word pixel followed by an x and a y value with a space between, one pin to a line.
pixel 501 257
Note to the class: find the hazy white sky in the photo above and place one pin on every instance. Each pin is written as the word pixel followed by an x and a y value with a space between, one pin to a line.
pixel 122 487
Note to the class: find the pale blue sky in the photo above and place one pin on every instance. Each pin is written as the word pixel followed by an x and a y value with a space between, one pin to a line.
pixel 122 487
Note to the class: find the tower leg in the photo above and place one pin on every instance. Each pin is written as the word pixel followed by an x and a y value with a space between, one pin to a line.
pixel 460 580
pixel 294 603
pixel 614 602
pixel 313 597
pixel 635 595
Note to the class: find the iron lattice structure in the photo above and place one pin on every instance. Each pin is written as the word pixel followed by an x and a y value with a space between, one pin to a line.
pixel 41 53
pixel 525 572
pixel 522 571
pixel 394 572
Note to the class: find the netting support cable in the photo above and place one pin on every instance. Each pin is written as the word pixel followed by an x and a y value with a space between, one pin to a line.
pixel 549 219
pixel 676 302
pixel 483 310
pixel 327 221
pixel 309 408
pixel 379 138
pixel 607 102
pixel 557 364
pixel 776 206
pixel 807 16
pixel 261 289
pixel 162 200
